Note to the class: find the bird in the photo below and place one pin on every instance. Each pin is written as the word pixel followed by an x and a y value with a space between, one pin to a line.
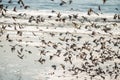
pixel 89 11
pixel 75 16
pixel 75 24
pixel 62 3
pixel 59 15
pixel 21 57
pixel 21 2
pixel 63 66
pixel 54 67
pixel 70 1
pixel 115 16
pixel 10 1
pixel 19 52
pixel 19 33
pixel 14 9
pixel 7 37
pixel 13 48
pixel 14 18
pixel 104 1
pixel 26 7
pixel 50 57
pixel 41 60
pixel 99 8
pixel 3 14
pixel 116 9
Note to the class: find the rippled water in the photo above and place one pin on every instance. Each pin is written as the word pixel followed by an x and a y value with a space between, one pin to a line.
pixel 77 5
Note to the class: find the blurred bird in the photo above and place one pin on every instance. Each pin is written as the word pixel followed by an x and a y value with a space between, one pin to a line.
pixel 21 57
pixel 59 15
pixel 21 2
pixel 14 9
pixel 1 7
pixel 10 1
pixel 14 18
pixel 104 1
pixel 99 8
pixel 70 1
pixel 116 9
pixel 89 11
pixel 62 3
pixel 63 66
pixel 26 7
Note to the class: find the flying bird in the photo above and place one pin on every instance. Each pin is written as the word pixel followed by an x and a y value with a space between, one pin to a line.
pixel 10 1
pixel 62 3
pixel 99 8
pixel 104 1
pixel 14 9
pixel 70 1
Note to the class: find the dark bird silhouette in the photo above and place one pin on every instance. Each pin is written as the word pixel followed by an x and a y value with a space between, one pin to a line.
pixel 13 48
pixel 104 1
pixel 51 57
pixel 59 15
pixel 54 67
pixel 116 9
pixel 70 17
pixel 99 8
pixel 75 24
pixel 21 2
pixel 41 60
pixel 26 7
pixel 89 11
pixel 21 57
pixel 62 3
pixel 1 6
pixel 63 66
pixel 14 18
pixel 19 33
pixel 75 16
pixel 19 52
pixel 7 37
pixel 70 1
pixel 50 16
pixel 10 1
pixel 14 9
pixel 115 16
pixel 3 14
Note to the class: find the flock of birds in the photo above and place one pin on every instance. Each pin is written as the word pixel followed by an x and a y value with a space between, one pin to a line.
pixel 97 57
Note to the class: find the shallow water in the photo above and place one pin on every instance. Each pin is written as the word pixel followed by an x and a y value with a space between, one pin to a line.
pixel 77 5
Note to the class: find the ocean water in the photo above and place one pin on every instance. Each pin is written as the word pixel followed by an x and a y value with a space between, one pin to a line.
pixel 77 5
